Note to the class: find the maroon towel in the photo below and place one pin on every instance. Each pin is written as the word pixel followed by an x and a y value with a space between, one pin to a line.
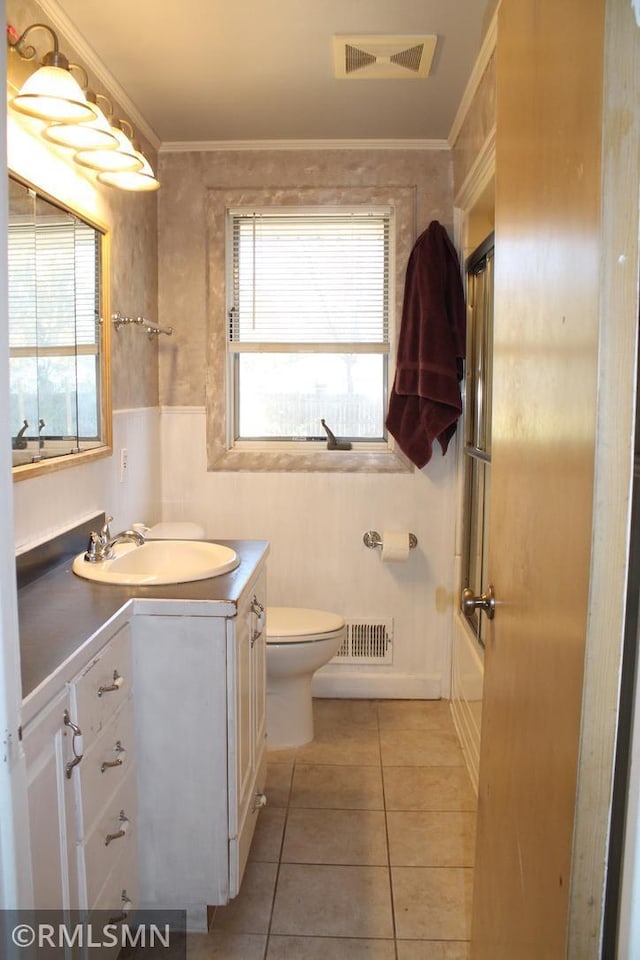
pixel 425 400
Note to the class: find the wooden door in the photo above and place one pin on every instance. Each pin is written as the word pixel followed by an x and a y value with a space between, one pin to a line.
pixel 548 194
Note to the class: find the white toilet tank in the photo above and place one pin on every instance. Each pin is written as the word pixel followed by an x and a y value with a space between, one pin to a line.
pixel 173 531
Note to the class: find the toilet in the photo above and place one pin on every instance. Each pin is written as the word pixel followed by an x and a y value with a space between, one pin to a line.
pixel 173 530
pixel 299 642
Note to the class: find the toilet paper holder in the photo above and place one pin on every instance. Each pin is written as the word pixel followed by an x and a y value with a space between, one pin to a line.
pixel 372 539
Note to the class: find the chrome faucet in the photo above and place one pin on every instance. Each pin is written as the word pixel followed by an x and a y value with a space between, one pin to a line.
pixel 101 544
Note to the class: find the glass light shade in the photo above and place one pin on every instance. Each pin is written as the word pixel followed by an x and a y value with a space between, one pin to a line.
pixel 94 135
pixel 143 179
pixel 51 93
pixel 124 157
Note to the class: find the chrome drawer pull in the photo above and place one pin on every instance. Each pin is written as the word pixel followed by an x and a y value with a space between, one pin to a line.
pixel 76 744
pixel 124 820
pixel 106 764
pixel 117 683
pixel 126 907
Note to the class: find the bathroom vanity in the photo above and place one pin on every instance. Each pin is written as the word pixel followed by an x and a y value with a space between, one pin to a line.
pixel 145 738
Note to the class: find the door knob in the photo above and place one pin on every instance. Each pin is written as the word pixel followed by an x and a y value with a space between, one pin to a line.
pixel 487 602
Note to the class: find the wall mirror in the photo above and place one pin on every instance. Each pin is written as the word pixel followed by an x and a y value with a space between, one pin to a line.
pixel 58 340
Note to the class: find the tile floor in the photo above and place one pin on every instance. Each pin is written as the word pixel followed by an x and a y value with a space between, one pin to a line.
pixel 365 849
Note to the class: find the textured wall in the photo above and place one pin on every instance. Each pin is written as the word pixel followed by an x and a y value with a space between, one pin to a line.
pixel 186 178
pixel 477 126
pixel 313 521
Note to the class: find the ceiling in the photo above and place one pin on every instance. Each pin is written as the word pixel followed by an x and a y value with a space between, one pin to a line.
pixel 229 70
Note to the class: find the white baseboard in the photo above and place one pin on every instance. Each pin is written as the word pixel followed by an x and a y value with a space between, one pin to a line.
pixel 367 684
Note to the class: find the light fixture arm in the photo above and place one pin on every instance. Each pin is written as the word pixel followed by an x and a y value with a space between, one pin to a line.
pixel 120 124
pixel 51 59
pixel 109 111
pixel 84 82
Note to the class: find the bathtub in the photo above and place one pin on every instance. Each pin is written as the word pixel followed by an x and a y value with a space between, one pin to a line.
pixel 467 673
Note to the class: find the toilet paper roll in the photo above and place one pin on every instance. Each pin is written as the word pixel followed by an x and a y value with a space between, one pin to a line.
pixel 395 546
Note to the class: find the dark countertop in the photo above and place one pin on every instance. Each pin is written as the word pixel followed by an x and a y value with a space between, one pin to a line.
pixel 59 611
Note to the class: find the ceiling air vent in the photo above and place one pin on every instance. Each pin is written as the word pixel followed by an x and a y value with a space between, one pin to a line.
pixel 383 57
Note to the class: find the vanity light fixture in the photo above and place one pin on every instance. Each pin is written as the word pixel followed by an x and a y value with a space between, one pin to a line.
pixel 51 93
pixel 102 143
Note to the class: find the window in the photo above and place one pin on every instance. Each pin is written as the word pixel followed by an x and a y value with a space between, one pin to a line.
pixel 477 450
pixel 308 307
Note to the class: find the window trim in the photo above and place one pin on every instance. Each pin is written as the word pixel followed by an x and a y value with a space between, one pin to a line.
pixel 307 456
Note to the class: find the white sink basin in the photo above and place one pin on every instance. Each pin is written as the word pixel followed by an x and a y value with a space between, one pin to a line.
pixel 160 561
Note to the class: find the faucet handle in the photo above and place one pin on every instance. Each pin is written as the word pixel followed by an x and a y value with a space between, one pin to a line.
pixel 93 547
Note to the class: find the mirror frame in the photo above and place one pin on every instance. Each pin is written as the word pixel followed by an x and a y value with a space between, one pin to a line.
pixel 105 449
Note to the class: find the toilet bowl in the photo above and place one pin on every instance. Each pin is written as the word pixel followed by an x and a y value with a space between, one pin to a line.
pixel 299 642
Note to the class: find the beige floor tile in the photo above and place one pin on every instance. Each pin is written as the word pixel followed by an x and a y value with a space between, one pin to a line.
pixel 415 715
pixel 432 903
pixel 250 911
pixel 433 950
pixel 267 837
pixel 333 901
pixel 428 788
pixel 340 746
pixel 220 945
pixel 420 748
pixel 281 756
pixel 335 836
pixel 278 783
pixel 431 839
pixel 343 787
pixel 355 714
pixel 329 948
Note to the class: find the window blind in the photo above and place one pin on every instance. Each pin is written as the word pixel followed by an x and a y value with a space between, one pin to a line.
pixel 52 288
pixel 311 279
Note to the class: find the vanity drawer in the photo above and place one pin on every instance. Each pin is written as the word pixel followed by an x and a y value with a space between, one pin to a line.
pixel 99 858
pixel 103 686
pixel 120 888
pixel 116 903
pixel 104 767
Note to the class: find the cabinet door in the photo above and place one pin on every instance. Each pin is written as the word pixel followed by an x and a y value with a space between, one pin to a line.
pixel 242 661
pixel 259 683
pixel 247 754
pixel 48 749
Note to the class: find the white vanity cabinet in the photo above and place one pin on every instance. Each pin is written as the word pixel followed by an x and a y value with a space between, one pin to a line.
pixel 146 746
pixel 200 724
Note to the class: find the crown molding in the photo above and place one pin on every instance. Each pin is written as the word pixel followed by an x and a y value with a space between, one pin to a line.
pixel 209 146
pixel 482 61
pixel 91 61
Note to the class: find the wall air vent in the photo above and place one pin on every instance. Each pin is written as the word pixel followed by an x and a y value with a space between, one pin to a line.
pixel 383 57
pixel 367 641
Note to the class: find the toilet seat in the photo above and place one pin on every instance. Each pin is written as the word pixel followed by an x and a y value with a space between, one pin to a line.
pixel 301 625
